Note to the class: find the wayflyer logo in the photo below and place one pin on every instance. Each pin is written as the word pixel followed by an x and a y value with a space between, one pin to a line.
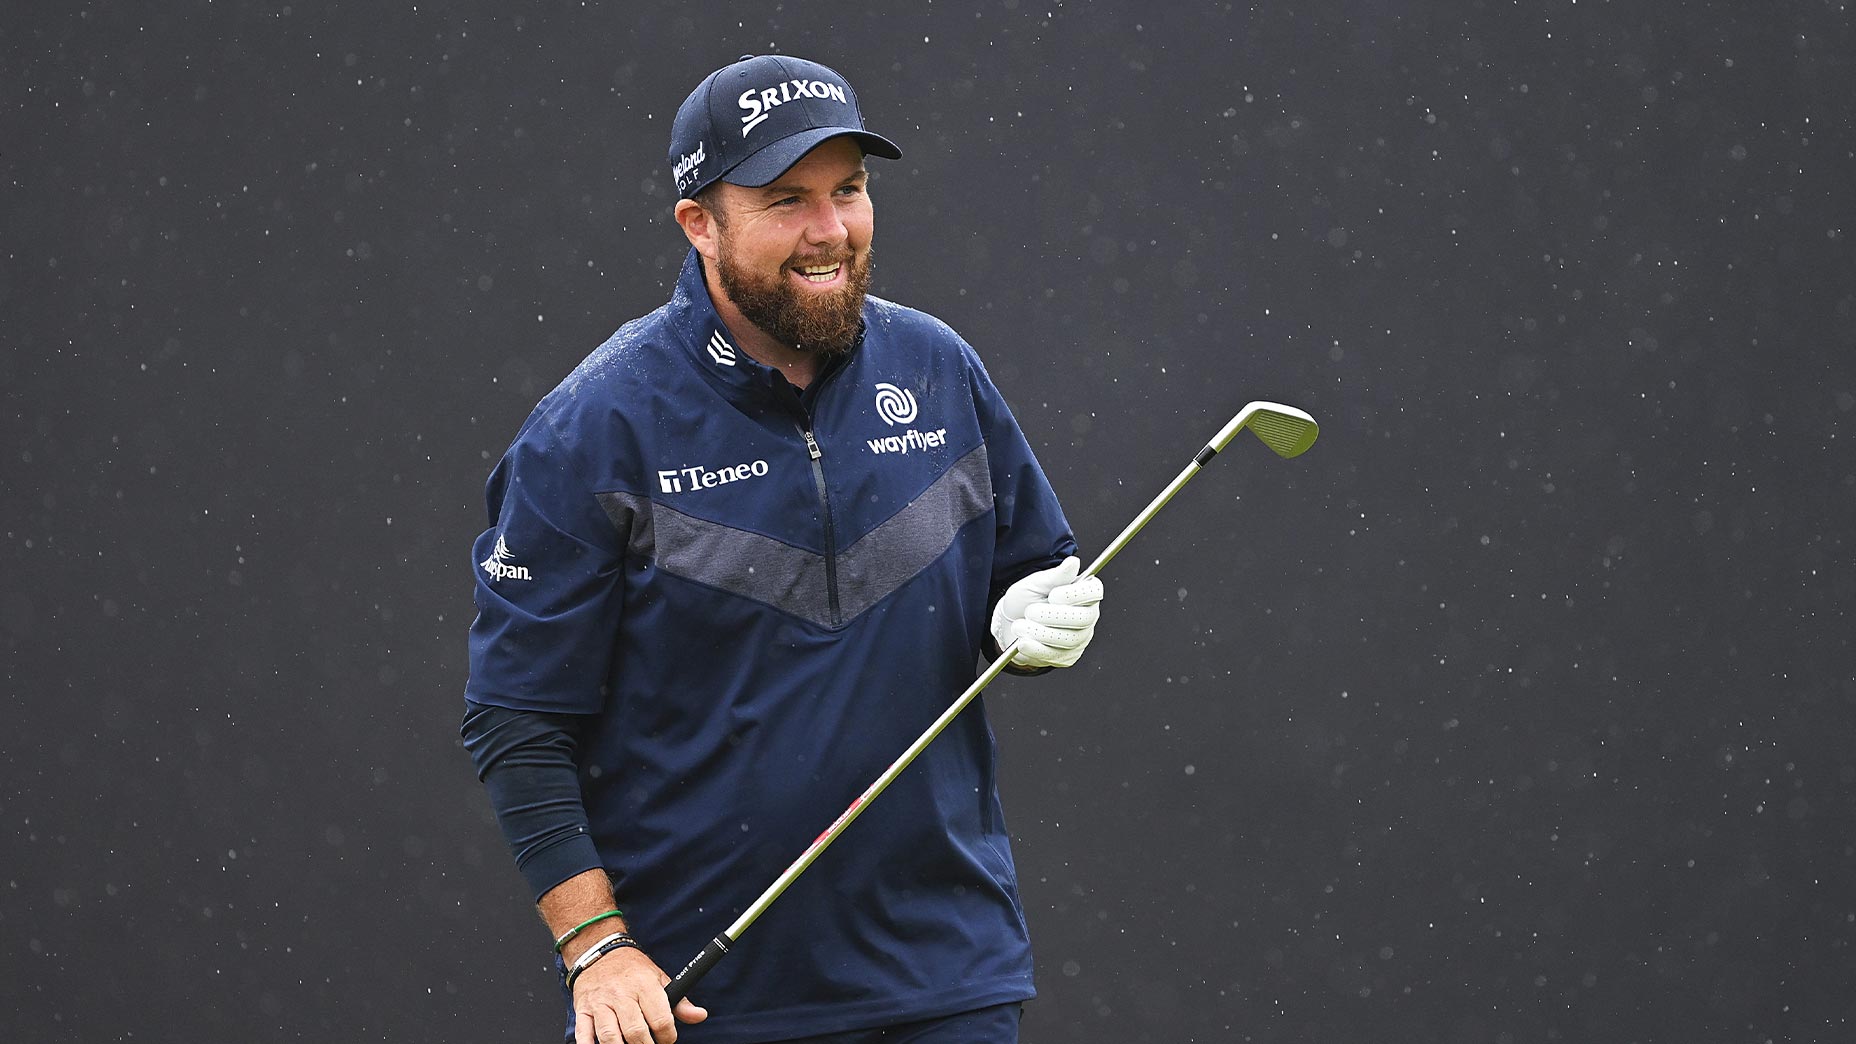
pixel 895 405
pixel 913 439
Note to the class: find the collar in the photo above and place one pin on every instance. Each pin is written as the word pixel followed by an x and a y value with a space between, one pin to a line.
pixel 710 348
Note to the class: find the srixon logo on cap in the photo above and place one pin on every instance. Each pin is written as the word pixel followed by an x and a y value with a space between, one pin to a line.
pixel 759 104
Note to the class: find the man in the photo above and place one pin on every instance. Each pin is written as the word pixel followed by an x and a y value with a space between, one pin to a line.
pixel 738 560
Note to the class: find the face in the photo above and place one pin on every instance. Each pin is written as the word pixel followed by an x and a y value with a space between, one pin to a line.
pixel 794 256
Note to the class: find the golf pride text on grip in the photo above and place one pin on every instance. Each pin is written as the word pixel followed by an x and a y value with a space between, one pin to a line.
pixel 693 972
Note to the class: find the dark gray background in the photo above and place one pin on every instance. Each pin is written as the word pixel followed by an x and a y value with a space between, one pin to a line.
pixel 1518 710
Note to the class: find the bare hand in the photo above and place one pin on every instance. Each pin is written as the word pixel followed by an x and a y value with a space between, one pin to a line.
pixel 620 1000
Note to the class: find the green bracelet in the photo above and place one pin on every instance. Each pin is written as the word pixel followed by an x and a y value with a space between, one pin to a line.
pixel 582 926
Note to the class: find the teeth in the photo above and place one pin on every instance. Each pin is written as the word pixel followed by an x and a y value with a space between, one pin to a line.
pixel 818 273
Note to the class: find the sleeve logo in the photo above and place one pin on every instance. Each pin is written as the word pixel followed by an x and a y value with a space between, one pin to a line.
pixel 499 567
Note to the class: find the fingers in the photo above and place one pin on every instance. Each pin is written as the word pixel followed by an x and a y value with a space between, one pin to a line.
pixel 1031 589
pixel 1082 592
pixel 1051 614
pixel 1055 635
pixel 607 1025
pixel 1030 632
pixel 1064 617
pixel 620 1000
pixel 609 1028
pixel 685 1010
pixel 638 1028
pixel 1036 639
pixel 1057 575
pixel 597 1024
pixel 1033 653
pixel 1037 586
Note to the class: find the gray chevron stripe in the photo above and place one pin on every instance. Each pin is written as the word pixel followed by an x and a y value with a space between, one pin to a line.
pixel 631 516
pixel 792 579
pixel 910 540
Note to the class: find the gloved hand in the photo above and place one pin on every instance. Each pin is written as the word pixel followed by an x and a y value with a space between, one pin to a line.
pixel 1050 613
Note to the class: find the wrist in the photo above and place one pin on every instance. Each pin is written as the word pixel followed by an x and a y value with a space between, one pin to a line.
pixel 615 914
pixel 576 947
pixel 598 951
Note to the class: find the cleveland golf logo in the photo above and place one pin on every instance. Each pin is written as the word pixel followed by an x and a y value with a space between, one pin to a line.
pixel 684 170
pixel 497 565
pixel 759 104
pixel 895 405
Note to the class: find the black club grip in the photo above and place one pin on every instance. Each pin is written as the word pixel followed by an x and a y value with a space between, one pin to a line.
pixel 693 972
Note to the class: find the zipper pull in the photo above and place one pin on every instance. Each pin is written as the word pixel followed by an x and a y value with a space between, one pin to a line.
pixel 812 445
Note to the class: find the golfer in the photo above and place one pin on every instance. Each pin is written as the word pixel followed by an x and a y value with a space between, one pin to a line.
pixel 736 562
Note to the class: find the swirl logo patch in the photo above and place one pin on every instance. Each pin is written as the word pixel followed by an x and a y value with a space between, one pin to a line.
pixel 895 405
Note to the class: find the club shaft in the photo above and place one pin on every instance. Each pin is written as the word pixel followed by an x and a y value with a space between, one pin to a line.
pixel 1147 513
pixel 712 954
pixel 685 979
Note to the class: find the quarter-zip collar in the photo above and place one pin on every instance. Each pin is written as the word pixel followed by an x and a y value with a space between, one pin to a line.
pixel 711 349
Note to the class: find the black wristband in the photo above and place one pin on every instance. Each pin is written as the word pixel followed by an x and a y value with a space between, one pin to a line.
pixel 616 941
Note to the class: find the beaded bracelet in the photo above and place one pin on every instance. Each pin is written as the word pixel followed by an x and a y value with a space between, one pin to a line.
pixel 615 941
pixel 560 943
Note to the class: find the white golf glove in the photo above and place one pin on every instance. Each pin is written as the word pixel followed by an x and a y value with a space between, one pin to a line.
pixel 1051 614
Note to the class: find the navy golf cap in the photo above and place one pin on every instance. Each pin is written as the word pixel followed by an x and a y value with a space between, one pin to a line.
pixel 748 122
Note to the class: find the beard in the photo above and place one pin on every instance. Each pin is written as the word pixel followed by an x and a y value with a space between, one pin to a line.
pixel 824 324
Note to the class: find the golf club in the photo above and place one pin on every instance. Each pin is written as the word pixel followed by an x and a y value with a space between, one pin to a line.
pixel 1284 429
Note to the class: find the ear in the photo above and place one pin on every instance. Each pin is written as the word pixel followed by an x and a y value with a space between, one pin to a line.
pixel 698 226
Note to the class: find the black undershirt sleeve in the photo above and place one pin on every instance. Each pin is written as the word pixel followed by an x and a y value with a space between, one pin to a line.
pixel 526 762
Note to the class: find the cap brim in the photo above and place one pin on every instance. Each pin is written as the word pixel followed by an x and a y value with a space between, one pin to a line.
pixel 769 163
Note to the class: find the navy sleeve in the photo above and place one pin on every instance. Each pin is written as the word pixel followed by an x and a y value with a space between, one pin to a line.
pixel 1032 532
pixel 548 593
pixel 526 763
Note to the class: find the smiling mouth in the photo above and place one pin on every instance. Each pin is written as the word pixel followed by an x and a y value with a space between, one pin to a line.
pixel 818 273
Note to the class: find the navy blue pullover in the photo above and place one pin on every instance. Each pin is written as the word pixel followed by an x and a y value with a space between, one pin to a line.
pixel 728 607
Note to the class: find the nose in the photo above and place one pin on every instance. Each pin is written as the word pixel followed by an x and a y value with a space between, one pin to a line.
pixel 824 226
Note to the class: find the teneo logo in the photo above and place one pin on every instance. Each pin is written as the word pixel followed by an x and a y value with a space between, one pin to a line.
pixel 759 104
pixel 895 405
pixel 721 351
pixel 684 169
pixel 497 565
pixel 699 477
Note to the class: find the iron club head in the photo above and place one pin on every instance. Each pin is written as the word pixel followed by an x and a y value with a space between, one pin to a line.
pixel 1287 431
